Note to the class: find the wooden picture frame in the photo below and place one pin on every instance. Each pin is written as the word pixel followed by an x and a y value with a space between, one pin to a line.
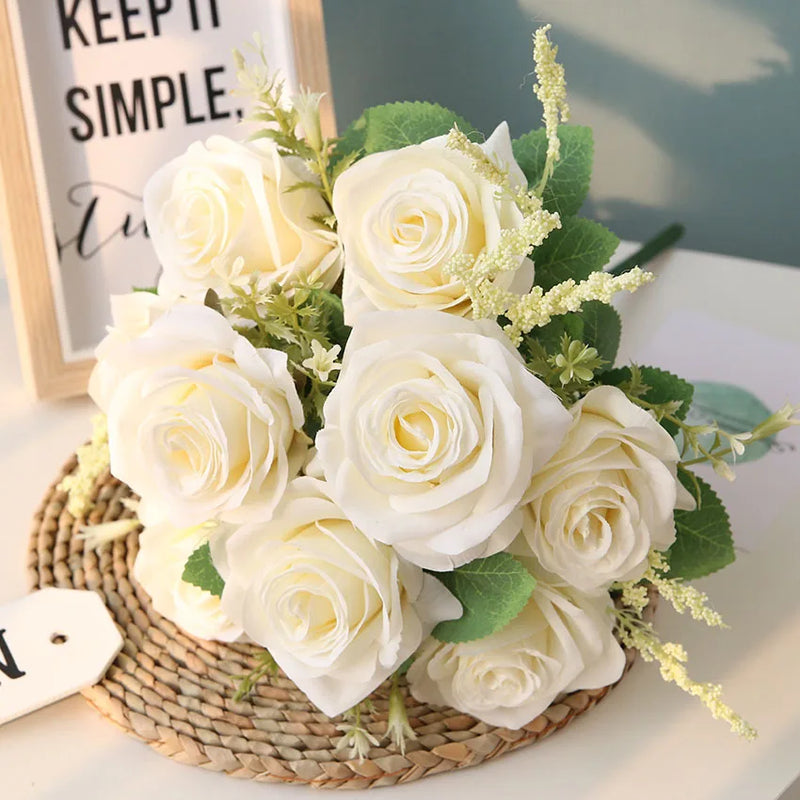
pixel 24 212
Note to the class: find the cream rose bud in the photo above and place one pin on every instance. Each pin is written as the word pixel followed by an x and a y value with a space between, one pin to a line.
pixel 403 214
pixel 201 424
pixel 159 565
pixel 560 642
pixel 222 212
pixel 607 496
pixel 338 612
pixel 432 434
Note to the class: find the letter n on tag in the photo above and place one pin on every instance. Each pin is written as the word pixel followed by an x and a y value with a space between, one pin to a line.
pixel 53 643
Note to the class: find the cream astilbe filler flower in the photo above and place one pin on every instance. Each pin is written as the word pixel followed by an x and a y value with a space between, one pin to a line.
pixel 159 565
pixel 404 214
pixel 560 642
pixel 433 432
pixel 222 212
pixel 607 496
pixel 338 612
pixel 202 425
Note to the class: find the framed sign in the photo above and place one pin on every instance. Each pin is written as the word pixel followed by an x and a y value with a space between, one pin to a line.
pixel 96 95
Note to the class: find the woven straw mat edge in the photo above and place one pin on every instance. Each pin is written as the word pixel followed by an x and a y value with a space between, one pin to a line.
pixel 175 692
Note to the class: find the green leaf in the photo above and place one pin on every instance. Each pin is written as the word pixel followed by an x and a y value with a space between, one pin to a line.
pixel 296 187
pixel 602 328
pixel 148 289
pixel 406 665
pixel 351 141
pixel 343 163
pixel 201 572
pixel 703 541
pixel 569 184
pixel 492 592
pixel 663 387
pixel 396 125
pixel 579 248
pixel 331 312
pixel 735 410
pixel 596 324
pixel 211 300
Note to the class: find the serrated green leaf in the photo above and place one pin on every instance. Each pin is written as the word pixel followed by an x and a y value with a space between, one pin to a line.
pixel 328 220
pixel 596 324
pixel 602 328
pixel 549 336
pixel 569 184
pixel 331 311
pixel 395 125
pixel 663 387
pixel 492 592
pixel 579 248
pixel 201 572
pixel 296 187
pixel 344 162
pixel 703 541
pixel 351 141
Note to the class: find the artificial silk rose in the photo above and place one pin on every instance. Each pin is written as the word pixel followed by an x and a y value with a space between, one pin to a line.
pixel 607 496
pixel 432 434
pixel 338 612
pixel 221 213
pixel 131 315
pixel 403 214
pixel 560 642
pixel 203 425
pixel 159 565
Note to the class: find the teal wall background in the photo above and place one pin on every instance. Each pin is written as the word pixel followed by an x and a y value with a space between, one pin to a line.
pixel 695 104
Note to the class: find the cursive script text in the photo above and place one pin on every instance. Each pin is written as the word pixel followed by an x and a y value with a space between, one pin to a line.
pixel 106 213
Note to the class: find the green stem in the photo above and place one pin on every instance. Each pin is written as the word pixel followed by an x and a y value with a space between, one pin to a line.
pixel 706 455
pixel 648 251
pixel 546 173
pixel 713 456
pixel 322 163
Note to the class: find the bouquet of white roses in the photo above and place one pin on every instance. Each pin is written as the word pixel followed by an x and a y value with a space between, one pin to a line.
pixel 372 416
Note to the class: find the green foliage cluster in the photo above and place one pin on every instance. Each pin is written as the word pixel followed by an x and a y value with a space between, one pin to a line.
pixel 246 683
pixel 290 321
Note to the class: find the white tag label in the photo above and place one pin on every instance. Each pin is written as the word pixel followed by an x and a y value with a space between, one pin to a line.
pixel 53 643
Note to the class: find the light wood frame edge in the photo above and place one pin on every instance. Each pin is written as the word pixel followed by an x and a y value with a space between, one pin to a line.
pixel 46 373
pixel 44 369
pixel 311 56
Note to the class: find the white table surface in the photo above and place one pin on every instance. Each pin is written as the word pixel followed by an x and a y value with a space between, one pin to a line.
pixel 646 739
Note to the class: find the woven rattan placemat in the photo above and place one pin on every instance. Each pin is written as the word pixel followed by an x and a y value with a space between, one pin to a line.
pixel 175 692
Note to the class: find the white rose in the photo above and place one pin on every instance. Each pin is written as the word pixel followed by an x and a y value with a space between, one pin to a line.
pixel 560 642
pixel 159 565
pixel 607 496
pixel 221 212
pixel 403 214
pixel 203 425
pixel 338 612
pixel 131 314
pixel 432 434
